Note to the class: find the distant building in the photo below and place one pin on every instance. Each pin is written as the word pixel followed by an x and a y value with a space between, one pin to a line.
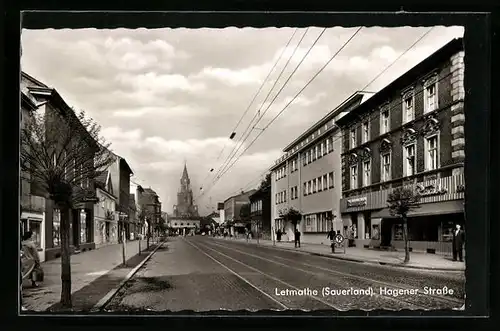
pixel 232 208
pixel 120 176
pixel 105 218
pixel 149 206
pixel 185 218
pixel 260 212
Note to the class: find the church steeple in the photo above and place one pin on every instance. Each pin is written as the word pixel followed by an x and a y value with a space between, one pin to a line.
pixel 185 171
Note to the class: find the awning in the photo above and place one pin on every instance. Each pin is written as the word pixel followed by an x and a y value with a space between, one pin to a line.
pixel 437 208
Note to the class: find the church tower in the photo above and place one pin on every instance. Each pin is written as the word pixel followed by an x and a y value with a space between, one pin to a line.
pixel 185 207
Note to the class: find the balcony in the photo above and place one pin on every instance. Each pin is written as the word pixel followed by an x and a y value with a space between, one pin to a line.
pixel 437 189
pixel 32 204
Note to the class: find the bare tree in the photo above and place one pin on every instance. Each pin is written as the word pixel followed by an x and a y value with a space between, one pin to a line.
pixel 63 152
pixel 400 202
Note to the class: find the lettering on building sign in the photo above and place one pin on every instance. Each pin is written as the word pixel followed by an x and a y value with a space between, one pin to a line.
pixel 430 190
pixel 460 188
pixel 357 202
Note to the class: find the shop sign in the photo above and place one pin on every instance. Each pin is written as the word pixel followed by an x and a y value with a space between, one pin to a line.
pixel 430 190
pixel 357 202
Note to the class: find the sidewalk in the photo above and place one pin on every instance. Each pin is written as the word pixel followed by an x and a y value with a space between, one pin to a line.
pixel 86 267
pixel 363 255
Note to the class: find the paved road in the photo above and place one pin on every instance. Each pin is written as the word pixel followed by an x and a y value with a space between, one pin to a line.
pixel 202 273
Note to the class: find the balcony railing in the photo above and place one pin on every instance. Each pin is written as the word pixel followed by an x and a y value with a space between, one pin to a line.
pixel 32 203
pixel 430 190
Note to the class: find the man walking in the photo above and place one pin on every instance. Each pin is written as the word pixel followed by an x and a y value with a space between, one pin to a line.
pixel 458 243
pixel 297 238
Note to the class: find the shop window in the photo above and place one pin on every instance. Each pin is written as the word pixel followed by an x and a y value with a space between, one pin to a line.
pixel 376 232
pixel 398 232
pixel 83 227
pixel 447 231
pixel 36 227
pixel 368 227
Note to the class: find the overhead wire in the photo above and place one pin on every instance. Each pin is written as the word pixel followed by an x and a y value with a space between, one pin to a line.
pixel 378 75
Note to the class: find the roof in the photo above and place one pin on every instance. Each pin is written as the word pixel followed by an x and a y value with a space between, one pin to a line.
pixel 352 101
pixel 123 162
pixel 102 177
pixel 247 194
pixel 33 79
pixel 405 80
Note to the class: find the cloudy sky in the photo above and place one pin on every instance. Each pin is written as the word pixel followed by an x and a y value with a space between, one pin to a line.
pixel 164 96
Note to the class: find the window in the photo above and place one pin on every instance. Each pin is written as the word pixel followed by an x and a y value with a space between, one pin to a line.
pixel 331 179
pixel 353 138
pixel 329 143
pixel 386 167
pixel 323 151
pixel 296 193
pixel 309 187
pixel 304 159
pixel 309 155
pixel 326 126
pixel 354 177
pixel 81 175
pixel 432 153
pixel 318 154
pixel 367 171
pixel 65 165
pixel 54 159
pixel 325 182
pixel 408 109
pixel 291 193
pixel 384 121
pixel 366 131
pixel 320 183
pixel 83 227
pixel 409 160
pixel 314 152
pixel 315 186
pixel 36 227
pixel 305 189
pixel 430 98
pixel 319 131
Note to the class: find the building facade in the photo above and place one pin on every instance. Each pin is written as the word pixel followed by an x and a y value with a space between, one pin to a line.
pixel 32 205
pixel 260 212
pixel 232 209
pixel 150 208
pixel 307 178
pixel 121 172
pixel 411 133
pixel 58 113
pixel 105 218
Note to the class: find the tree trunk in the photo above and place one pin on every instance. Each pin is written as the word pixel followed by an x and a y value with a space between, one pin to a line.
pixel 405 237
pixel 148 234
pixel 65 259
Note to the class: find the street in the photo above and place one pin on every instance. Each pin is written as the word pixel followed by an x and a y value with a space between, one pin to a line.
pixel 203 273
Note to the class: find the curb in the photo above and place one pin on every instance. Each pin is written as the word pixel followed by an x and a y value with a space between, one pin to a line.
pixel 107 298
pixel 371 262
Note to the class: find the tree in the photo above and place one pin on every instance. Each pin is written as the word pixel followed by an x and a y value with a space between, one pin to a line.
pixel 400 202
pixel 63 153
pixel 266 182
pixel 291 215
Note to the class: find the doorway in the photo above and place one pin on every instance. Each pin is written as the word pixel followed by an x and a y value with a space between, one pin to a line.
pixel 385 233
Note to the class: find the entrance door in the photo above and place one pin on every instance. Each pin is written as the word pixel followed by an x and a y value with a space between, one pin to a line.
pixel 385 233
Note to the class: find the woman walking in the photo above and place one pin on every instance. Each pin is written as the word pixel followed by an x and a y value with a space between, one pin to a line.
pixel 31 253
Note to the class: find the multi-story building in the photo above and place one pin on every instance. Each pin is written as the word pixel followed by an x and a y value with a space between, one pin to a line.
pixel 150 208
pixel 411 133
pixel 307 178
pixel 232 208
pixel 120 176
pixel 32 205
pixel 260 212
pixel 105 218
pixel 58 114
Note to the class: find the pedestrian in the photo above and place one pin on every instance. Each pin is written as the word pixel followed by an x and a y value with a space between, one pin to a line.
pixel 458 243
pixel 278 235
pixel 297 238
pixel 331 235
pixel 31 252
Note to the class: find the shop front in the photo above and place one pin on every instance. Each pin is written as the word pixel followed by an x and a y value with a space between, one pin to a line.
pixel 368 223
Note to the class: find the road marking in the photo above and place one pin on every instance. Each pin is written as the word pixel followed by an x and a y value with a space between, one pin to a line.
pixel 276 279
pixel 452 300
pixel 237 275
